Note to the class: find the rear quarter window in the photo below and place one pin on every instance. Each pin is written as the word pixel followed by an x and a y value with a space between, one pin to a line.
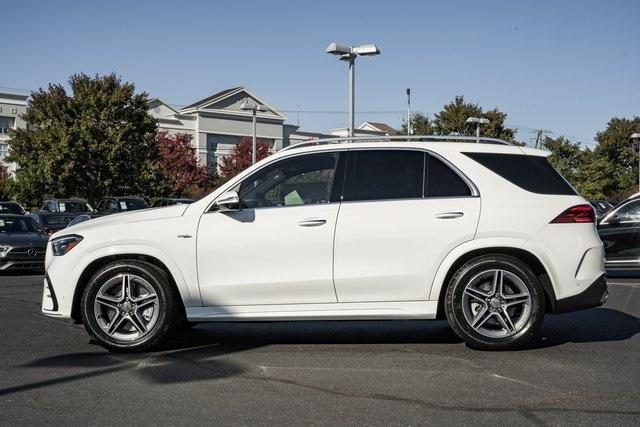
pixel 531 173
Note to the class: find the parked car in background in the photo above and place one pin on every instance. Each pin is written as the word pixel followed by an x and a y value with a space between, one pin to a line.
pixel 71 206
pixel 488 236
pixel 51 222
pixel 170 201
pixel 79 219
pixel 619 231
pixel 114 204
pixel 23 243
pixel 13 208
pixel 601 207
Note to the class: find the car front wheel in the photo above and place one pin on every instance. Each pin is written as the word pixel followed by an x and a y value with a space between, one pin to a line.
pixel 129 305
pixel 495 302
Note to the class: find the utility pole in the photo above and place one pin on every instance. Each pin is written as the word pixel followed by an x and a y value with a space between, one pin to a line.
pixel 409 131
pixel 540 137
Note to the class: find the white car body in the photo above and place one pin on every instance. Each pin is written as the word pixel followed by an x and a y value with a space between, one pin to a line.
pixel 385 259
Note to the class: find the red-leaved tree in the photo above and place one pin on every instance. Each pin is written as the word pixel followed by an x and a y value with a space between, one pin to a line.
pixel 240 157
pixel 179 165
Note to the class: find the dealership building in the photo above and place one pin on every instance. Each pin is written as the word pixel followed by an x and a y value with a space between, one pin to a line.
pixel 216 123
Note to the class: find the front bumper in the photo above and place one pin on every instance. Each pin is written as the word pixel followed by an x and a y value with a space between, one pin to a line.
pixel 594 295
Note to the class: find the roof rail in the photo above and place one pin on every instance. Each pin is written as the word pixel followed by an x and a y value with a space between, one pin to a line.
pixel 382 138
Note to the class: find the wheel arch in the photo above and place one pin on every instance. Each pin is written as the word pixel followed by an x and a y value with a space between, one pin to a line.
pixel 100 262
pixel 523 255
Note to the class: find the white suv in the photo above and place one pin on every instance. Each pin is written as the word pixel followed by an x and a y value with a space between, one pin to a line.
pixel 488 236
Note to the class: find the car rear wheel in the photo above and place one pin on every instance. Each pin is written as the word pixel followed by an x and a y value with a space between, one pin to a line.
pixel 129 305
pixel 495 302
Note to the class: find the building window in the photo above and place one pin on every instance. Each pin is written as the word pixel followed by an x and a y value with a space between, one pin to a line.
pixel 4 151
pixel 6 123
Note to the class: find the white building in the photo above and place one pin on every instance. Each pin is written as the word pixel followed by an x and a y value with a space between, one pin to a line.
pixel 217 123
pixel 13 103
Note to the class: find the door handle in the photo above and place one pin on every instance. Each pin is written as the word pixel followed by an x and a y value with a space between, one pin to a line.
pixel 311 222
pixel 449 215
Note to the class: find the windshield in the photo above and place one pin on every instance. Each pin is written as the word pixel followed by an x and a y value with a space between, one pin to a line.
pixel 132 204
pixel 17 225
pixel 11 208
pixel 74 206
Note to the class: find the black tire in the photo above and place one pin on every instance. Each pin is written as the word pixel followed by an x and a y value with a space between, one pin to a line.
pixel 168 305
pixel 454 303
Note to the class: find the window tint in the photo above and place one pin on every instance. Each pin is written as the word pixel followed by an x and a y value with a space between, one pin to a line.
pixel 11 208
pixel 300 180
pixel 441 181
pixel 17 225
pixel 629 212
pixel 385 175
pixel 532 173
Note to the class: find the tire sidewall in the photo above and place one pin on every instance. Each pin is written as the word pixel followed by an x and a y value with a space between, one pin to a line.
pixel 162 324
pixel 454 299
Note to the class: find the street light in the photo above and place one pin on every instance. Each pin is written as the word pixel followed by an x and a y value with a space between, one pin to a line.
pixel 349 53
pixel 478 122
pixel 636 136
pixel 254 108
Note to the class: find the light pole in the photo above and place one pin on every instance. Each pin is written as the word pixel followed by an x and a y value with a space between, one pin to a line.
pixel 254 108
pixel 409 111
pixel 349 53
pixel 478 122
pixel 636 137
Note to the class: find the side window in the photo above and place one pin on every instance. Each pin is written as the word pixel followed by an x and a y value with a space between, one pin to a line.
pixel 113 206
pixel 629 212
pixel 441 181
pixel 300 180
pixel 385 175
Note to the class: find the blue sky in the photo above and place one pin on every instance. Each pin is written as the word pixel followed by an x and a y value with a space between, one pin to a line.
pixel 567 66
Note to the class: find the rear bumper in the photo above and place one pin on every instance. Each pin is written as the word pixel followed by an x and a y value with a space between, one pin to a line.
pixel 594 295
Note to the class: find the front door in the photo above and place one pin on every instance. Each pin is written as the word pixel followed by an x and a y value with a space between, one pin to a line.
pixel 278 248
pixel 402 212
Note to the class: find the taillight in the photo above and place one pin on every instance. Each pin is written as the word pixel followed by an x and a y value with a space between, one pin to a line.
pixel 576 214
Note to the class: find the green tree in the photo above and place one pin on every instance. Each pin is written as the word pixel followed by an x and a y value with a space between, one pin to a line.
pixel 98 139
pixel 566 156
pixel 621 154
pixel 420 125
pixel 452 120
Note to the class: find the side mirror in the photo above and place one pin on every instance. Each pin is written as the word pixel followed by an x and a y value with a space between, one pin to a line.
pixel 229 201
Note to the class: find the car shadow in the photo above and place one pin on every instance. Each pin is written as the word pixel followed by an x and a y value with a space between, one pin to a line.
pixel 200 354
pixel 594 325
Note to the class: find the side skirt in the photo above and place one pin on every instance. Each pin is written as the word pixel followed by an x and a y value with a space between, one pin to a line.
pixel 330 311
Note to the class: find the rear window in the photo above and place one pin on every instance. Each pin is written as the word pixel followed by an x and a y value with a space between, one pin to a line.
pixel 132 204
pixel 531 173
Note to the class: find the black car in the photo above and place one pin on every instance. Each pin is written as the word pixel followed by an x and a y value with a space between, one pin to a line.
pixel 620 233
pixel 12 208
pixel 51 222
pixel 169 201
pixel 602 207
pixel 70 206
pixel 22 243
pixel 111 204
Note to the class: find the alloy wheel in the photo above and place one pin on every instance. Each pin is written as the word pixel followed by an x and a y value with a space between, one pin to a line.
pixel 126 307
pixel 496 303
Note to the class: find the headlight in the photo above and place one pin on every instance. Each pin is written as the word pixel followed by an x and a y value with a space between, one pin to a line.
pixel 62 245
pixel 4 250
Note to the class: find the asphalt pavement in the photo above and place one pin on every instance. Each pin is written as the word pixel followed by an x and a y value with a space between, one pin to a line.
pixel 583 370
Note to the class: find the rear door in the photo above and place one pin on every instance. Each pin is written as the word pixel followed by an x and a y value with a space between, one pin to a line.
pixel 402 212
